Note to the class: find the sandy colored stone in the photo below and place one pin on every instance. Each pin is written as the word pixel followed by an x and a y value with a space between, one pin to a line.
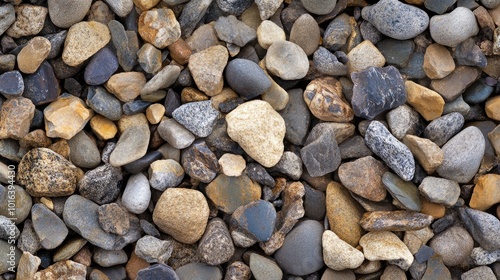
pixel 159 27
pixel 425 101
pixel 155 113
pixel 259 130
pixel 486 192
pixel 363 56
pixel 189 94
pixel 135 264
pixel 494 137
pixel 427 153
pixel 338 254
pixel 399 220
pixel 133 120
pixel 15 118
pixel 232 165
pixel 269 32
pixel 343 214
pixel 492 108
pixel 229 193
pixel 182 213
pixel 438 62
pixel 414 239
pixel 126 86
pixel 66 116
pixel 83 40
pixel 145 4
pixel 103 128
pixel 28 266
pixel 36 139
pixel 435 210
pixel 207 67
pixel 29 20
pixel 61 147
pixel 364 177
pixel 455 83
pixel 386 246
pixel 33 54
pixel 62 270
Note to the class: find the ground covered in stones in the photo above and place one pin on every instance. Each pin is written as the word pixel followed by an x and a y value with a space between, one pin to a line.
pixel 240 139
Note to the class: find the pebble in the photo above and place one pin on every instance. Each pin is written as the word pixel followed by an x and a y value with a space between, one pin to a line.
pixel 197 117
pixel 135 107
pixel 404 192
pixel 364 177
pixel 113 219
pixel 400 220
pixel 120 7
pixel 29 21
pixel 28 240
pixel 290 165
pixel 454 245
pixel 468 53
pixel 83 40
pixel 101 67
pixel 403 120
pixel 101 185
pixel 232 165
pixel 483 257
pixel 438 62
pixel 482 226
pixel 33 54
pixel 108 258
pixel 131 146
pixel 149 58
pixel 84 152
pixel 287 60
pixel 216 245
pixel 256 218
pixel 46 173
pixel 396 52
pixel 321 154
pixel 15 118
pixel 491 108
pixel 157 271
pixel 175 134
pixel 246 78
pixel 384 144
pixel 303 242
pixel 268 33
pixel 439 7
pixel 326 102
pixel 162 80
pixel 66 116
pixel 196 269
pixel 23 203
pixel 103 128
pixel 354 147
pixel 314 203
pixel 368 100
pixel 439 190
pixel 385 245
pixel 165 174
pixel 455 84
pixel 478 92
pixel 233 31
pixel 364 56
pixel 297 117
pixel 264 268
pixel 306 24
pixel 426 152
pixel 229 193
pixel 159 27
pixel 11 84
pixel 182 213
pixel 81 215
pixel 396 20
pixel 8 15
pixel 427 102
pixel 259 174
pixel 69 249
pixel 267 8
pixel 338 254
pixel 485 193
pixel 200 162
pixel 327 63
pixel 8 229
pixel 42 86
pixel 443 128
pixel 65 13
pixel 192 14
pixel 202 38
pixel 153 250
pixel 338 32
pixel 462 155
pixel 63 270
pixel 480 272
pixel 206 67
pixel 453 28
pixel 343 214
pixel 28 266
pixel 104 103
pixel 126 86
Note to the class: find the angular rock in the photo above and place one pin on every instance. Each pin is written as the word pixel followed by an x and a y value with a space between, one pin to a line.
pixel 66 116
pixel 102 184
pixel 83 40
pixel 42 86
pixel 438 62
pixel 426 152
pixel 165 174
pixel 404 192
pixel 455 83
pixel 113 219
pixel 364 56
pixel 321 154
pixel 297 118
pixel 482 226
pixel 439 190
pixel 63 270
pixel 101 67
pixel 197 117
pixel 153 250
pixel 159 27
pixel 385 245
pixel 216 246
pixel 206 67
pixel 200 162
pixel 49 228
pixel 233 31
pixel 15 118
pixel 364 177
pixel 256 218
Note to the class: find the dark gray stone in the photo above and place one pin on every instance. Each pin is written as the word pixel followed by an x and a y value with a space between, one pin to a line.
pixel 11 84
pixel 259 174
pixel 468 53
pixel 220 142
pixel 192 13
pixel 28 240
pixel 197 117
pixel 314 203
pixel 135 107
pixel 142 163
pixel 483 227
pixel 414 68
pixel 337 33
pixel 234 7
pixel 216 245
pixel 438 6
pixel 233 31
pixel 56 43
pixel 101 67
pixel 83 151
pixel 157 272
pixel 42 87
pixel 377 90
pixel 396 52
pixel 327 63
pixel 172 102
pixel 200 162
pixel 246 78
pixel 297 117
pixel 321 154
pixel 478 92
pixel 354 147
pixel 424 253
pixel 370 32
pixel 102 184
pixel 104 103
pixel 443 128
pixel 125 51
pixel 394 153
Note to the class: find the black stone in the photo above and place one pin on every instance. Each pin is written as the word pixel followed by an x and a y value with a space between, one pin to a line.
pixel 354 147
pixel 200 162
pixel 73 87
pixel 377 90
pixel 37 121
pixel 157 272
pixel 185 79
pixel 438 6
pixel 172 102
pixel 246 78
pixel 42 86
pixel 101 67
pixel 414 69
pixel 396 52
pixel 443 223
pixel 11 84
pixel 102 184
pixel 259 174
pixel 135 106
pixel 290 14
pixel 321 154
pixel 104 103
pixel 142 163
pixel 62 70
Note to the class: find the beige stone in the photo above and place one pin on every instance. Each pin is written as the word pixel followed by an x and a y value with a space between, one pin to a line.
pixel 386 246
pixel 189 94
pixel 83 40
pixel 207 67
pixel 103 128
pixel 259 130
pixel 155 113
pixel 66 116
pixel 492 108
pixel 438 62
pixel 276 96
pixel 268 33
pixel 414 239
pixel 126 86
pixel 159 27
pixel 363 56
pixel 62 270
pixel 29 20
pixel 128 121
pixel 427 153
pixel 28 266
pixel 15 118
pixel 433 209
pixel 232 165
pixel 338 254
pixel 425 101
pixel 145 4
pixel 486 192
pixel 33 54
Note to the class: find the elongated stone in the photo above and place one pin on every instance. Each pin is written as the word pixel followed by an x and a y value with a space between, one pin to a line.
pixel 401 220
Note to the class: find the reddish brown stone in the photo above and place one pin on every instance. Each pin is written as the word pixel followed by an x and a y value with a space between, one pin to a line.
pixel 180 51
pixel 15 118
pixel 455 83
pixel 364 177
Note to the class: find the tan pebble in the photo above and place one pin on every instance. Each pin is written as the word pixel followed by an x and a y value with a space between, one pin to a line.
pixel 363 56
pixel 103 128
pixel 232 165
pixel 492 108
pixel 425 101
pixel 132 120
pixel 486 192
pixel 438 62
pixel 83 40
pixel 66 116
pixel 190 94
pixel 33 54
pixel 155 113
pixel 126 86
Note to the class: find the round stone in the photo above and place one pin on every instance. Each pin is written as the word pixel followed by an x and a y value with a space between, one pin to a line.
pixel 287 60
pixel 454 245
pixel 137 194
pixel 306 33
pixel 83 151
pixel 246 78
pixel 453 28
pixel 268 33
pixel 33 54
pixel 264 268
pixel 65 13
pixel 108 258
pixel 165 174
pixel 232 165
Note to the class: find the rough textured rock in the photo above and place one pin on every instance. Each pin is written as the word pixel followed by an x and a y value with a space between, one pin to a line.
pixel 324 98
pixel 66 116
pixel 83 40
pixel 321 154
pixel 229 193
pixel 216 246
pixel 400 220
pixel 338 254
pixel 206 67
pixel 385 245
pixel 364 177
pixel 159 27
pixel 454 245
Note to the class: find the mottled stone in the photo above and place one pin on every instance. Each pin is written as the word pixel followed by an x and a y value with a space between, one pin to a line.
pixel 159 27
pixel 234 7
pixel 63 270
pixel 442 129
pixel 338 254
pixel 287 60
pixel 324 98
pixel 200 162
pixel 11 84
pixel 192 14
pixel 364 56
pixel 8 16
pixel 206 67
pixel 400 220
pixel 15 118
pixel 229 193
pixel 267 8
pixel 33 54
pixel 482 226
pixel 101 185
pixel 216 246
pixel 453 28
pixel 153 250
pixel 83 40
pixel 364 177
pixel 385 245
pixel 29 20
pixel 197 117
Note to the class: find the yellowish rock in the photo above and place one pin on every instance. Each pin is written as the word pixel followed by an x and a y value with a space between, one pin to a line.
pixel 433 209
pixel 128 121
pixel 159 27
pixel 83 40
pixel 425 101
pixel 126 86
pixel 61 147
pixel 492 108
pixel 486 192
pixel 363 56
pixel 155 113
pixel 29 20
pixel 438 62
pixel 103 128
pixel 66 116
pixel 427 153
pixel 15 118
pixel 494 137
pixel 189 94
pixel 207 67
pixel 33 54
pixel 338 254
pixel 225 95
pixel 145 4
pixel 386 246
pixel 232 165
pixel 414 239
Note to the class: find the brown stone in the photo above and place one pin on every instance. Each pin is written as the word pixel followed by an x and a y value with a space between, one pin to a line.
pixel 29 20
pixel 492 108
pixel 455 83
pixel 61 147
pixel 180 51
pixel 493 66
pixel 159 27
pixel 494 137
pixel 486 192
pixel 28 266
pixel 83 40
pixel 100 12
pixel 343 214
pixel 485 21
pixel 425 101
pixel 364 177
pixel 238 271
pixel 15 118
pixel 46 173
pixel 495 15
pixel 84 256
pixel 36 139
pixel 189 94
pixel 62 270
pixel 127 122
pixel 427 153
pixel 66 116
pixel 414 239
pixel 135 264
pixel 229 193
pixel 103 128
pixel 69 249
pixel 113 219
pixel 206 67
pixel 33 54
pixel 433 209
pixel 438 62
pixel 400 220
pixel 324 98
pixel 126 86
pixel 145 5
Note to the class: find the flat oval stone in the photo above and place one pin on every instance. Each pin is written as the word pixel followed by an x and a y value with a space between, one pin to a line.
pixel 83 151
pixel 157 271
pixel 405 192
pixel 48 226
pixel 400 220
pixel 200 162
pixel 319 7
pixel 462 155
pixel 246 78
pixel 443 128
pixel 394 153
pixel 101 67
pixel 137 194
pixel 302 243
pixel 287 60
pixel 305 32
pixel 23 203
pixel 131 146
pixel 195 269
pixel 229 193
pixel 439 190
pixel 42 86
pixel 108 258
pixel 478 92
pixel 80 215
pixel 264 268
pixel 453 28
pixel 255 218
